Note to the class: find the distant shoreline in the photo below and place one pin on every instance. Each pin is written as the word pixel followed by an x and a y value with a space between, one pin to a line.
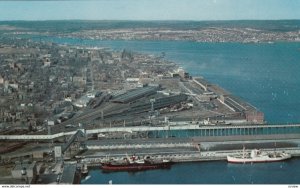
pixel 244 31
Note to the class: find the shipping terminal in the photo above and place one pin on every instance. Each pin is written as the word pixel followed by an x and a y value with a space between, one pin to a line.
pixel 109 105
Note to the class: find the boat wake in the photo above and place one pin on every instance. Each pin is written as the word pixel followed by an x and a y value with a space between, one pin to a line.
pixel 86 178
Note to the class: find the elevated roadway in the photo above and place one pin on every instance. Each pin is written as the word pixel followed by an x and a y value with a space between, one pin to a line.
pixel 205 130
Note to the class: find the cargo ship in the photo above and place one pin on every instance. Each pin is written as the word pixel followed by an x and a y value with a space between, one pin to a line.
pixel 256 156
pixel 134 163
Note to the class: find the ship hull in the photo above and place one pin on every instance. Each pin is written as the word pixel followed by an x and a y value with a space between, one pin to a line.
pixel 134 167
pixel 256 160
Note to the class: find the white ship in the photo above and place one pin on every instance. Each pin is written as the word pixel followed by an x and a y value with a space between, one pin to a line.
pixel 256 156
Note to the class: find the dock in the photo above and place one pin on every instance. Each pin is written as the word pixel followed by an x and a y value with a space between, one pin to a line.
pixel 187 149
pixel 69 174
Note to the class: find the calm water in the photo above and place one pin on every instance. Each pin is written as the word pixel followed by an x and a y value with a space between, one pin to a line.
pixel 266 75
pixel 219 172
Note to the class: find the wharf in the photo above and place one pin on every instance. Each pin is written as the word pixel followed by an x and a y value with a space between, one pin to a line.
pixel 195 149
pixel 69 174
pixel 93 161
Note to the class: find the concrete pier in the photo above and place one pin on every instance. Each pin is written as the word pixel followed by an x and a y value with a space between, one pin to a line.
pixel 69 174
pixel 184 150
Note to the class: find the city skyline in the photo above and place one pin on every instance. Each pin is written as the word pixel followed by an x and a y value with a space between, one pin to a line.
pixel 150 10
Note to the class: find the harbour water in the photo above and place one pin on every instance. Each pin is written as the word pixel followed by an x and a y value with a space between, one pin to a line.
pixel 218 172
pixel 266 75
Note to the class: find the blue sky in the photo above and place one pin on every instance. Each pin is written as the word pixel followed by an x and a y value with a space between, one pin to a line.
pixel 150 9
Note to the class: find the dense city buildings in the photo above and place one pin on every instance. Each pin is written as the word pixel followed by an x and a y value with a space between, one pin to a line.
pixel 45 82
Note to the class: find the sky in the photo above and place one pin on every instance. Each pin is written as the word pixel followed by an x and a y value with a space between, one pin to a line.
pixel 197 10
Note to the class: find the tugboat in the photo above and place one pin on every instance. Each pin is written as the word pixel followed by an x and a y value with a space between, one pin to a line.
pixel 134 163
pixel 256 156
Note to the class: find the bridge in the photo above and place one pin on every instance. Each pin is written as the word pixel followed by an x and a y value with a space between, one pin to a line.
pixel 176 129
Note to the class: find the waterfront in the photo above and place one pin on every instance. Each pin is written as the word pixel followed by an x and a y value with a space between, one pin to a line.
pixel 218 172
pixel 263 74
pixel 87 86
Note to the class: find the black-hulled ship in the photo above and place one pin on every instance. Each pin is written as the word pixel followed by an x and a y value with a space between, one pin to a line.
pixel 134 163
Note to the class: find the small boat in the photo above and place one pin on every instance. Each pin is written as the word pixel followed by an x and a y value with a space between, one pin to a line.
pixel 256 156
pixel 134 163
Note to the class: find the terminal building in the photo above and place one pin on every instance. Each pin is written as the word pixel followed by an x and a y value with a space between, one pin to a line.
pixel 135 94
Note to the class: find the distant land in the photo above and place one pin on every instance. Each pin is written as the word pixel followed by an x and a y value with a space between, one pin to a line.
pixel 200 31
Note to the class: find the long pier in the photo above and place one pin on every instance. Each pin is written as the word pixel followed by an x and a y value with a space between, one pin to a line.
pixel 186 156
pixel 178 129
pixel 187 149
